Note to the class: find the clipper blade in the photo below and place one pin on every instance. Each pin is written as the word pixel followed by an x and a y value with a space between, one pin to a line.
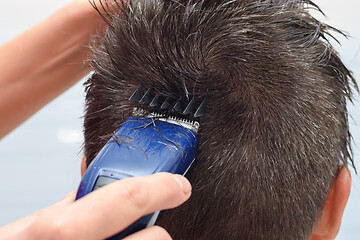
pixel 184 111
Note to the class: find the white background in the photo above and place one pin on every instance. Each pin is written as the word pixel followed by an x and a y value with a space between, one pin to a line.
pixel 40 160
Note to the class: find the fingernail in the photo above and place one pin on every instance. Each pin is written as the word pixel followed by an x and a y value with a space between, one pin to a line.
pixel 184 183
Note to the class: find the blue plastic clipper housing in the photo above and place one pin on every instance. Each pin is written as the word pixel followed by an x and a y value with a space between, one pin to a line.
pixel 140 147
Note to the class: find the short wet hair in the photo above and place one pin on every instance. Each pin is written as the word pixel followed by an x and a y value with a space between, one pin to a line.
pixel 276 126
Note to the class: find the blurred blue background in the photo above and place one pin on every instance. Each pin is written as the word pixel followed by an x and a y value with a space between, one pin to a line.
pixel 40 160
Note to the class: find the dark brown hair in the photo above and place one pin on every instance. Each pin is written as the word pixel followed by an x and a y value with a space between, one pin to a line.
pixel 276 127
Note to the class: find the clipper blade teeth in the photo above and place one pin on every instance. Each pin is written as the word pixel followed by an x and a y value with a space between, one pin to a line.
pixel 136 96
pixel 178 107
pixel 190 107
pixel 167 104
pixel 154 102
pixel 146 99
pixel 201 109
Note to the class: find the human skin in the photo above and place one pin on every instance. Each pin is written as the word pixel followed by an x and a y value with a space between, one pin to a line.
pixel 44 61
pixel 99 214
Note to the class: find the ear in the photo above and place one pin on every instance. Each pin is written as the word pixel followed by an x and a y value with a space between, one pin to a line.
pixel 83 165
pixel 330 221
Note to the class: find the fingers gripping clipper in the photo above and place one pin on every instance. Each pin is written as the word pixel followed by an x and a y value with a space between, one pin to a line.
pixel 159 137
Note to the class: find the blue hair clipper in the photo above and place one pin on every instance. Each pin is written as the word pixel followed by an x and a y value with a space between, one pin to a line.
pixel 147 143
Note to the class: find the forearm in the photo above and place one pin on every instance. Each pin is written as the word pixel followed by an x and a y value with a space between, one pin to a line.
pixel 43 62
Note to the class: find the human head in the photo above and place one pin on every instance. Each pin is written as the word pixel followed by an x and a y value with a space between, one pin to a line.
pixel 276 129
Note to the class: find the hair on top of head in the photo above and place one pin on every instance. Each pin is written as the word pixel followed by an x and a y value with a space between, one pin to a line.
pixel 276 126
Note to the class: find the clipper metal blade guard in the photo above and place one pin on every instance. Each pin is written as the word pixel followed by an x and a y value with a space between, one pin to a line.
pixel 160 137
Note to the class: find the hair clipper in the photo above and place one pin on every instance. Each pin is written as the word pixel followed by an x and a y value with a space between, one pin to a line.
pixel 163 140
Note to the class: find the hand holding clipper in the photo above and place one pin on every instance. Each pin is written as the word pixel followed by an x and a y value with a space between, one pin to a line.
pixel 146 143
